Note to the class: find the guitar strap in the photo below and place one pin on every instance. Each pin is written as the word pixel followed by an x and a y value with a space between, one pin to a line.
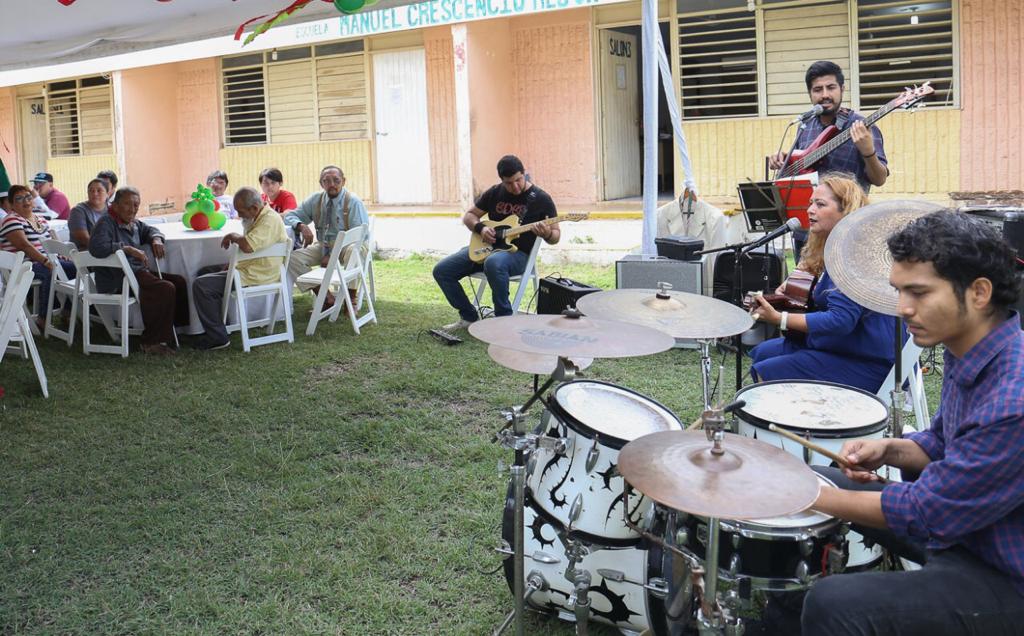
pixel 842 117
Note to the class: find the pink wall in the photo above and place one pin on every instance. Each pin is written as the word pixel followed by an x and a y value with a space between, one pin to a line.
pixel 9 135
pixel 493 114
pixel 198 132
pixel 150 116
pixel 554 101
pixel 992 48
pixel 441 113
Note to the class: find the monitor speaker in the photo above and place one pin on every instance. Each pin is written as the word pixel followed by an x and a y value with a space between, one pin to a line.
pixel 752 271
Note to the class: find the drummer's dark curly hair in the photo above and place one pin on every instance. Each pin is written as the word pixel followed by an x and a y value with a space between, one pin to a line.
pixel 961 249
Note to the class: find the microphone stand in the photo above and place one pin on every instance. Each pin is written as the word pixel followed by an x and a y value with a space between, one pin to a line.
pixel 737 277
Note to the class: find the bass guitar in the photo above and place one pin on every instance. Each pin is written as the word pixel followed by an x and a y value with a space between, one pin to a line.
pixel 803 161
pixel 507 229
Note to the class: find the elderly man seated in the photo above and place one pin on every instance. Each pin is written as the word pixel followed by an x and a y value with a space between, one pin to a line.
pixel 263 227
pixel 163 301
pixel 330 211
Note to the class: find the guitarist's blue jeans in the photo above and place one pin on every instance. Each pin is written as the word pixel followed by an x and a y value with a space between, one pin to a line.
pixel 499 268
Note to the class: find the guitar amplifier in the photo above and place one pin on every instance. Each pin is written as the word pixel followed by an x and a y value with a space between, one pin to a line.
pixel 555 294
pixel 752 267
pixel 635 271
pixel 1009 220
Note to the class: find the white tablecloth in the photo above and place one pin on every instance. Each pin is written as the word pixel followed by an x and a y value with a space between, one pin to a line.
pixel 188 251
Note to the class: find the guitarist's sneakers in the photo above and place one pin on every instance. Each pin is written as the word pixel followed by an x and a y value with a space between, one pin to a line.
pixel 457 325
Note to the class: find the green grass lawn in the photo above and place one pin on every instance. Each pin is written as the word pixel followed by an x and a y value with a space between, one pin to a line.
pixel 341 485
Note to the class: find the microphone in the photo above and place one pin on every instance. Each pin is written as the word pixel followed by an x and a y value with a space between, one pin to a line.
pixel 792 224
pixel 814 112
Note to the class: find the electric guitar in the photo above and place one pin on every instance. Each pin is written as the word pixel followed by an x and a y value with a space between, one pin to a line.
pixel 802 161
pixel 507 229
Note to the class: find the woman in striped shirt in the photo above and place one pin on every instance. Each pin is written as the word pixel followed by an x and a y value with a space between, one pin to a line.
pixel 23 231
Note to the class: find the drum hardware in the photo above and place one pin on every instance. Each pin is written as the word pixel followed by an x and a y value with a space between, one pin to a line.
pixel 811 446
pixel 657 585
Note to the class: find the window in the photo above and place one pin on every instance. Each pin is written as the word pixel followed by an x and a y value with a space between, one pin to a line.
pixel 745 59
pixel 79 117
pixel 902 43
pixel 718 63
pixel 296 95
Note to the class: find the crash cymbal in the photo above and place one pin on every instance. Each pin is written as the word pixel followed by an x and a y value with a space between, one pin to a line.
pixel 583 337
pixel 679 314
pixel 750 480
pixel 534 363
pixel 857 257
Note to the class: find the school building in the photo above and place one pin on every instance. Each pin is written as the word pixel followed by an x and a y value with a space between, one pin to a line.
pixel 418 102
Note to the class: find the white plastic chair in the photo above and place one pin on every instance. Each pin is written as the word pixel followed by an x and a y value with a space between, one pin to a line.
pixel 529 274
pixel 61 285
pixel 911 360
pixel 371 247
pixel 339 275
pixel 119 326
pixel 14 321
pixel 235 292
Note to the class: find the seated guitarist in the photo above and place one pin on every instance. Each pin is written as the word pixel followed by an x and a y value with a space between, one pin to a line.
pixel 863 156
pixel 515 195
pixel 840 341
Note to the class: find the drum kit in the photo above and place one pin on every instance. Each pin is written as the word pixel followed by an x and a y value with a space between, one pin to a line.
pixel 615 513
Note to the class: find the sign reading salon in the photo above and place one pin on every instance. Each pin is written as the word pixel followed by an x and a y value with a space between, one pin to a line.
pixel 438 12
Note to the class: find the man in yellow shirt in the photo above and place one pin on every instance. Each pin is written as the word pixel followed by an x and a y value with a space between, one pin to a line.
pixel 263 227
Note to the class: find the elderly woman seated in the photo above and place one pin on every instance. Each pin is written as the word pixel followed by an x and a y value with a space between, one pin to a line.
pixel 23 231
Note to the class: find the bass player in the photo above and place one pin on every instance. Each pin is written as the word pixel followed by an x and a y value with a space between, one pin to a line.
pixel 864 158
pixel 517 196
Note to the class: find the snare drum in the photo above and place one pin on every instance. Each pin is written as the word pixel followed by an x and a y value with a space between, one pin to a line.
pixel 582 485
pixel 825 413
pixel 777 553
pixel 821 412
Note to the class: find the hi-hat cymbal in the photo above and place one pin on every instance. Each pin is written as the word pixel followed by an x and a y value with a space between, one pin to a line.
pixel 857 257
pixel 583 337
pixel 534 363
pixel 679 314
pixel 750 480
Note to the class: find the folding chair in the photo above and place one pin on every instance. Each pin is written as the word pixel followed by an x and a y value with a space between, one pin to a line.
pixel 14 321
pixel 339 275
pixel 61 285
pixel 119 325
pixel 529 273
pixel 235 292
pixel 911 361
pixel 371 246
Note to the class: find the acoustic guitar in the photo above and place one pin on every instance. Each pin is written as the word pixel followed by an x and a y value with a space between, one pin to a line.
pixel 803 161
pixel 507 229
pixel 795 296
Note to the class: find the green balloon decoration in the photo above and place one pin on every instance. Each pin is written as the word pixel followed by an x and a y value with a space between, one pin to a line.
pixel 186 220
pixel 349 6
pixel 192 206
pixel 202 212
pixel 217 220
pixel 206 206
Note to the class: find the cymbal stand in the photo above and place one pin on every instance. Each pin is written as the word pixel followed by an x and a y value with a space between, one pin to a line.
pixel 705 370
pixel 897 394
pixel 515 437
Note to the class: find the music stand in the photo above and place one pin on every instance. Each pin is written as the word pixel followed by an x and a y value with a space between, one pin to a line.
pixel 762 205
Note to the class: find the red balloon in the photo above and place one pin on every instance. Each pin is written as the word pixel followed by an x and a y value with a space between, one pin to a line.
pixel 200 221
pixel 216 205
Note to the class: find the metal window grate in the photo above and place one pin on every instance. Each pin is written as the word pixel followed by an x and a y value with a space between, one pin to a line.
pixel 718 64
pixel 79 116
pixel 903 43
pixel 245 108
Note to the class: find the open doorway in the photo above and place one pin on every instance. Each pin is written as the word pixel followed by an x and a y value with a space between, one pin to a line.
pixel 622 116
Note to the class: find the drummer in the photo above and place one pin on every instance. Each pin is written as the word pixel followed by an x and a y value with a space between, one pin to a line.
pixel 956 282
pixel 840 341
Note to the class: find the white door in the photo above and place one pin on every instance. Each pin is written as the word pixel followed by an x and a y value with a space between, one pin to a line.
pixel 620 114
pixel 33 137
pixel 400 112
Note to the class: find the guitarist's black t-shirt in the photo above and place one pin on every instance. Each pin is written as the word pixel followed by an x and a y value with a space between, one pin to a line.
pixel 532 205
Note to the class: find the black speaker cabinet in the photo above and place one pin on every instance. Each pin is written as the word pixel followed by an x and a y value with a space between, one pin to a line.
pixel 752 271
pixel 556 294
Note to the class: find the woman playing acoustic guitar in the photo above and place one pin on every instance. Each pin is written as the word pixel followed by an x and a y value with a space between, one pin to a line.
pixel 843 342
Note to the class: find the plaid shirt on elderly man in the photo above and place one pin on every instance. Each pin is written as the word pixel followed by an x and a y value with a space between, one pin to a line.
pixel 972 492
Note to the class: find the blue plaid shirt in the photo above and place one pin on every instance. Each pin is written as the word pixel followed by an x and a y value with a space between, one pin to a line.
pixel 845 158
pixel 972 492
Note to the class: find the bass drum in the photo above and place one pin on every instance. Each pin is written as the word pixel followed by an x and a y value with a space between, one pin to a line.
pixel 618 576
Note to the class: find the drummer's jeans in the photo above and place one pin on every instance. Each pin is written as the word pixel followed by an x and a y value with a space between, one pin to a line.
pixel 954 593
pixel 499 268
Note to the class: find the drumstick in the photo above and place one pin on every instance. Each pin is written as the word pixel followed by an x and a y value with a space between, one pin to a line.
pixel 839 459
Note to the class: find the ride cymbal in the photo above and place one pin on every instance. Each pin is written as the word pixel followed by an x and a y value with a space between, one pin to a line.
pixel 750 480
pixel 534 363
pixel 857 256
pixel 679 314
pixel 582 337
